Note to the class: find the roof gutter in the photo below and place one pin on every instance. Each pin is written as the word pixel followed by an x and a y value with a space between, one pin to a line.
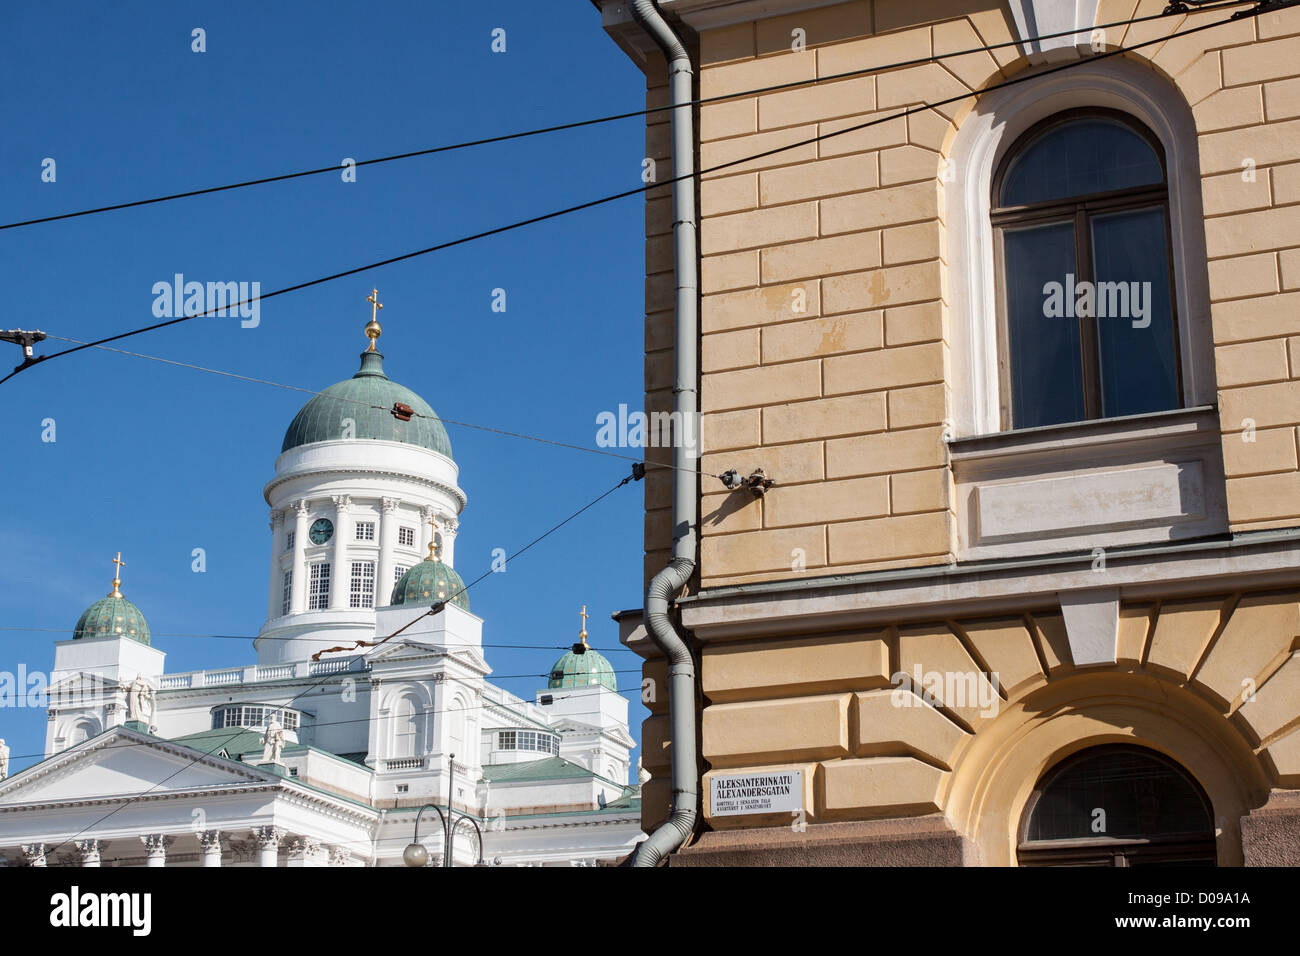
pixel 667 583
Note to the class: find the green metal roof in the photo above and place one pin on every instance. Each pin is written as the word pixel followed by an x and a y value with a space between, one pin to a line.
pixel 366 399
pixel 430 581
pixel 583 670
pixel 114 616
pixel 548 768
pixel 233 741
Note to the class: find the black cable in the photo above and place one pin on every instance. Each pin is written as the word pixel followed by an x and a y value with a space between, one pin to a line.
pixel 505 137
pixel 356 401
pixel 1023 77
pixel 440 604
pixel 256 637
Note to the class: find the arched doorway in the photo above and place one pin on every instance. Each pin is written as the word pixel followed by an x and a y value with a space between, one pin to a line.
pixel 1117 805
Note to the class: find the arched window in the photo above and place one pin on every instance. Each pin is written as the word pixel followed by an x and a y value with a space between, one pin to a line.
pixel 1080 209
pixel 1117 806
pixel 407 739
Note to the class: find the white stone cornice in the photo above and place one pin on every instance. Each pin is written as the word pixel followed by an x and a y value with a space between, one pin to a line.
pixel 940 592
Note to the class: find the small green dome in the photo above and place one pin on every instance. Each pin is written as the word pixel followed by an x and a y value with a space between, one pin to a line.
pixel 115 616
pixel 367 399
pixel 583 670
pixel 430 581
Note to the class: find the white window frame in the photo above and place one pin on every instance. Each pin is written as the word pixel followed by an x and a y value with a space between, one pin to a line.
pixel 286 596
pixel 365 530
pixel 361 587
pixel 977 150
pixel 318 586
pixel 405 537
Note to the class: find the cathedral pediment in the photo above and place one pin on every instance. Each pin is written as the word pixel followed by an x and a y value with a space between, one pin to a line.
pixel 121 762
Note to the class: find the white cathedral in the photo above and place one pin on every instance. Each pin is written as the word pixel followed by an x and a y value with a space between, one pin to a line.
pixel 362 708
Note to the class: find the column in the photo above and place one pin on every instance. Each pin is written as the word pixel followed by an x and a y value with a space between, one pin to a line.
pixel 89 850
pixel 298 598
pixel 449 528
pixel 268 845
pixel 387 541
pixel 303 851
pixel 155 849
pixel 274 589
pixel 34 854
pixel 426 530
pixel 341 573
pixel 210 844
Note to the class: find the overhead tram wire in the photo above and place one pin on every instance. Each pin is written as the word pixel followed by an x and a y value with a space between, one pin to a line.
pixel 1024 77
pixel 631 114
pixel 254 637
pixel 414 414
pixel 440 604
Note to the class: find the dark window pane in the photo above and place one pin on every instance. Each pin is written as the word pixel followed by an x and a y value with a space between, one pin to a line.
pixel 1135 324
pixel 1080 158
pixel 1140 797
pixel 1046 380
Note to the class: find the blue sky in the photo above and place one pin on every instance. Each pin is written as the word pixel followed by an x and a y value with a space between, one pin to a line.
pixel 154 460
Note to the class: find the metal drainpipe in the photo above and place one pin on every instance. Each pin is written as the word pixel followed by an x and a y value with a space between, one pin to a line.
pixel 664 586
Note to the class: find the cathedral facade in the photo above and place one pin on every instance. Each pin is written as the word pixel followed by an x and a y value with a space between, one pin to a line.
pixel 368 703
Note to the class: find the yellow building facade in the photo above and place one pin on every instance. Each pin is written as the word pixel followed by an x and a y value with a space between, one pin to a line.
pixel 1014 326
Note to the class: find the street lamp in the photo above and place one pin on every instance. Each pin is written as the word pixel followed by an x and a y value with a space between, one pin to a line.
pixel 415 853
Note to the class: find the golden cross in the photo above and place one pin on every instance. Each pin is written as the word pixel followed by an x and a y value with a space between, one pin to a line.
pixel 583 633
pixel 373 328
pixel 117 576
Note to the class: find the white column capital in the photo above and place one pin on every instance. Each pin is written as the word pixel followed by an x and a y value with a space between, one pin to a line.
pixel 210 844
pixel 389 505
pixel 268 844
pixel 341 503
pixel 155 848
pixel 34 854
pixel 268 837
pixel 301 507
pixel 303 851
pixel 89 850
pixel 276 519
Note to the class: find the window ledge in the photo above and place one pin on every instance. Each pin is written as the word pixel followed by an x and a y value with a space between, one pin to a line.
pixel 1087 485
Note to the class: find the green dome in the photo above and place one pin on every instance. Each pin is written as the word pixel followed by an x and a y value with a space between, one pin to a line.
pixel 114 616
pixel 430 581
pixel 367 398
pixel 583 670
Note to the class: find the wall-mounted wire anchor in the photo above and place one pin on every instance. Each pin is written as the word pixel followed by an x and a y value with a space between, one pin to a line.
pixel 757 483
pixel 402 412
